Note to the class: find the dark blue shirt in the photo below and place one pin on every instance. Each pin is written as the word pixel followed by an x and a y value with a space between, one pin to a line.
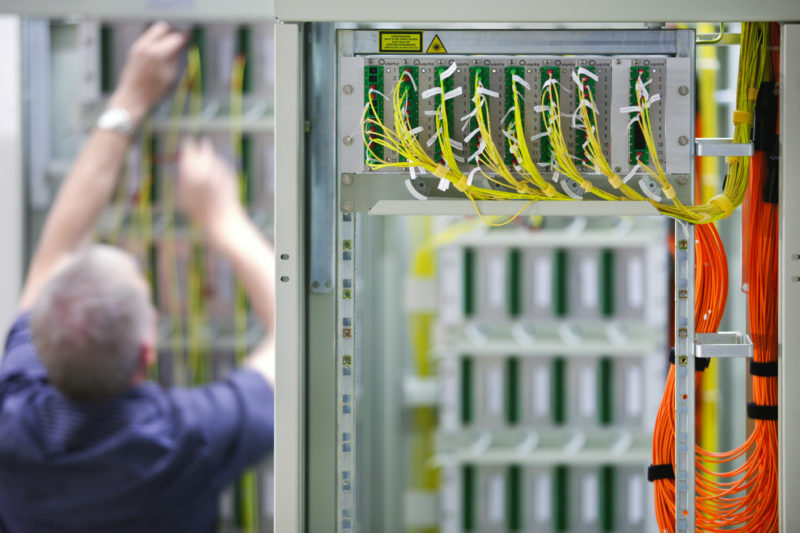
pixel 148 460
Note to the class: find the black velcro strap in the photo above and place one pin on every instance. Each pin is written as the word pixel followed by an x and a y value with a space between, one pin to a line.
pixel 762 412
pixel 700 363
pixel 764 370
pixel 655 472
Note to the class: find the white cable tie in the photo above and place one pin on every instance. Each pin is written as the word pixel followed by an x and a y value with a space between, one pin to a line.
pixel 422 170
pixel 575 116
pixel 549 82
pixel 508 136
pixel 630 174
pixel 588 73
pixel 456 144
pixel 487 92
pixel 433 138
pixel 376 91
pixel 430 112
pixel 472 134
pixel 478 152
pixel 412 173
pixel 449 72
pixel 472 175
pixel 587 103
pixel 444 184
pixel 540 135
pixel 464 126
pixel 630 123
pixel 518 168
pixel 539 108
pixel 414 192
pixel 648 82
pixel 518 79
pixel 585 145
pixel 510 110
pixel 469 115
pixel 555 176
pixel 431 92
pixel 630 109
pixel 458 158
pixel 449 95
pixel 577 80
pixel 641 88
pixel 653 99
pixel 407 74
pixel 416 130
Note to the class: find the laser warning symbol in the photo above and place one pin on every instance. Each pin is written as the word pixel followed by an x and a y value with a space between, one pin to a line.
pixel 436 46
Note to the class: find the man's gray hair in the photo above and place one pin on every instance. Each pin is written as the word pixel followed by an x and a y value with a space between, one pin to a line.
pixel 90 322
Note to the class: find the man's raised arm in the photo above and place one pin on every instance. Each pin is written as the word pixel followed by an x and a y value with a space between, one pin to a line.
pixel 151 68
pixel 207 192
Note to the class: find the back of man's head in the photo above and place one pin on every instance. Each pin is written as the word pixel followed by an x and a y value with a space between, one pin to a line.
pixel 91 322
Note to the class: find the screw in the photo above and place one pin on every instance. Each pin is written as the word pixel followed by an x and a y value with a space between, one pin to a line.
pixel 347 206
pixel 617 169
pixel 683 333
pixel 347 140
pixel 683 244
pixel 683 90
pixel 347 179
pixel 682 360
pixel 683 294
pixel 683 140
pixel 347 89
pixel 682 180
pixel 284 278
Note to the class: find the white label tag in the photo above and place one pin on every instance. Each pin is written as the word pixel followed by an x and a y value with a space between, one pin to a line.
pixel 635 277
pixel 589 284
pixel 587 395
pixel 540 390
pixel 633 391
pixel 494 390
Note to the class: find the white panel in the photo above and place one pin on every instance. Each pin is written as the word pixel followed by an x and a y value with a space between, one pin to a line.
pixel 620 77
pixel 521 11
pixel 678 116
pixel 11 195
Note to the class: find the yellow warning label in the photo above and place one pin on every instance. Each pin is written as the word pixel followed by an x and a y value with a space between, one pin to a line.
pixel 436 46
pixel 400 41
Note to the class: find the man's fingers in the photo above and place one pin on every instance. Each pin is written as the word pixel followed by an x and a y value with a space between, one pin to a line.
pixel 156 30
pixel 169 44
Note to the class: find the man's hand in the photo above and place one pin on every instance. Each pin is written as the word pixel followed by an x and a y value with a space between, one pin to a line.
pixel 151 68
pixel 207 189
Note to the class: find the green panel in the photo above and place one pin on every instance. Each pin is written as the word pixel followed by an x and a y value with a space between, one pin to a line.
pixel 373 79
pixel 605 391
pixel 448 109
pixel 607 283
pixel 469 282
pixel 512 390
pixel 509 103
pixel 198 39
pixel 107 80
pixel 558 398
pixel 514 505
pixel 514 300
pixel 247 170
pixel 638 146
pixel 155 169
pixel 561 285
pixel 409 88
pixel 469 503
pixel 561 498
pixel 607 491
pixel 467 387
pixel 547 149
pixel 481 73
pixel 244 48
pixel 580 135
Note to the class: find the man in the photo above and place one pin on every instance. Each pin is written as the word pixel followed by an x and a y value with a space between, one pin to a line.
pixel 86 442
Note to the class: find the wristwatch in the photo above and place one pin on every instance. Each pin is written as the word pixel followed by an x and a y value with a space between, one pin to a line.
pixel 116 119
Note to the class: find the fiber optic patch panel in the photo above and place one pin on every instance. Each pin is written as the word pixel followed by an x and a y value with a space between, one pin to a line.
pixel 611 93
pixel 549 354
